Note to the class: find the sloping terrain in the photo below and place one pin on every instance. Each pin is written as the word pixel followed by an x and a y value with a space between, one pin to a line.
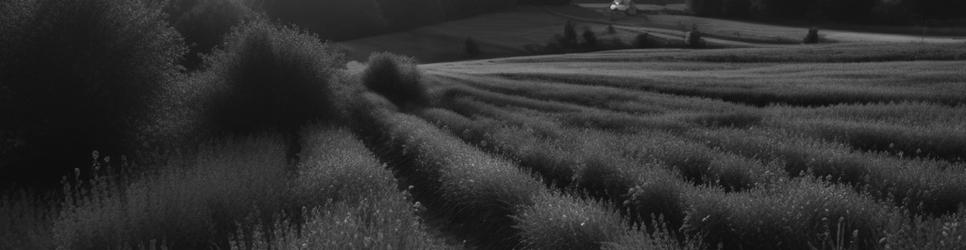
pixel 834 146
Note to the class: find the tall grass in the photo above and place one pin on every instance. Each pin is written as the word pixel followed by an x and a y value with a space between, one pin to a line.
pixel 910 141
pixel 486 199
pixel 349 200
pixel 919 185
pixel 195 205
pixel 801 215
pixel 25 222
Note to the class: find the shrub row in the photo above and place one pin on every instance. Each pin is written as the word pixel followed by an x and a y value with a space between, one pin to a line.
pixel 756 93
pixel 349 200
pixel 919 185
pixel 247 192
pixel 485 198
pixel 926 142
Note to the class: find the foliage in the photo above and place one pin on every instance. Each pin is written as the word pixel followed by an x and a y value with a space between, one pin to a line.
pixel 77 76
pixel 395 77
pixel 204 23
pixel 269 78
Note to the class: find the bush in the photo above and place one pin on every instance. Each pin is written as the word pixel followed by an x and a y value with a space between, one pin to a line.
pixel 569 39
pixel 77 76
pixel 564 222
pixel 812 36
pixel 397 78
pixel 694 39
pixel 270 78
pixel 204 23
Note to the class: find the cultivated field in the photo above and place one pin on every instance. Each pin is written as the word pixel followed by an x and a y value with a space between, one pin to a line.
pixel 122 131
pixel 797 148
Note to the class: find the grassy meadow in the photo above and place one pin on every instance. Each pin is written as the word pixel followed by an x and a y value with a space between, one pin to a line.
pixel 212 124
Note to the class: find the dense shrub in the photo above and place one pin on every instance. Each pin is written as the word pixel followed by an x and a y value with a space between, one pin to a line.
pixel 694 39
pixel 397 78
pixel 569 38
pixel 269 77
pixel 803 215
pixel 558 222
pixel 204 23
pixel 812 36
pixel 77 76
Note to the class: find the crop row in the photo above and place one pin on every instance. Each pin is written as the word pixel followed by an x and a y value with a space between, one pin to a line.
pixel 486 200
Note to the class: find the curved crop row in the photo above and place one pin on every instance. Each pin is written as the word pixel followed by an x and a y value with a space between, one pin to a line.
pixel 919 185
pixel 485 199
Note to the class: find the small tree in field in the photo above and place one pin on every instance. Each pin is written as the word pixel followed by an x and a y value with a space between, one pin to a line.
pixel 812 36
pixel 569 39
pixel 471 48
pixel 642 41
pixel 611 29
pixel 693 39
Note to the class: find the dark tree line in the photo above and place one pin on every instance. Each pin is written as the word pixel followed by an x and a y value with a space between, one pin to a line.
pixel 856 11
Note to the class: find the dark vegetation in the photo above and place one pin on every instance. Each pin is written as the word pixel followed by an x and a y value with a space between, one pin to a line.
pixel 78 76
pixel 853 11
pixel 163 136
pixel 396 78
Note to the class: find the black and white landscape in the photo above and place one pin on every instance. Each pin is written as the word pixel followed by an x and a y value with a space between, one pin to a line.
pixel 483 124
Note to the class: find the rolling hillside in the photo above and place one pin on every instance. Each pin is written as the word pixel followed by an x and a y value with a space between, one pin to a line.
pixel 808 142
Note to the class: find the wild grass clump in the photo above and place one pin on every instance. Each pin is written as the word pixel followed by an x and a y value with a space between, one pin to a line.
pixel 802 215
pixel 909 141
pixel 348 200
pixel 194 205
pixel 77 76
pixel 657 203
pixel 270 78
pixel 563 222
pixel 204 23
pixel 334 166
pixel 920 186
pixel 456 181
pixel 397 78
pixel 381 220
pixel 25 222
